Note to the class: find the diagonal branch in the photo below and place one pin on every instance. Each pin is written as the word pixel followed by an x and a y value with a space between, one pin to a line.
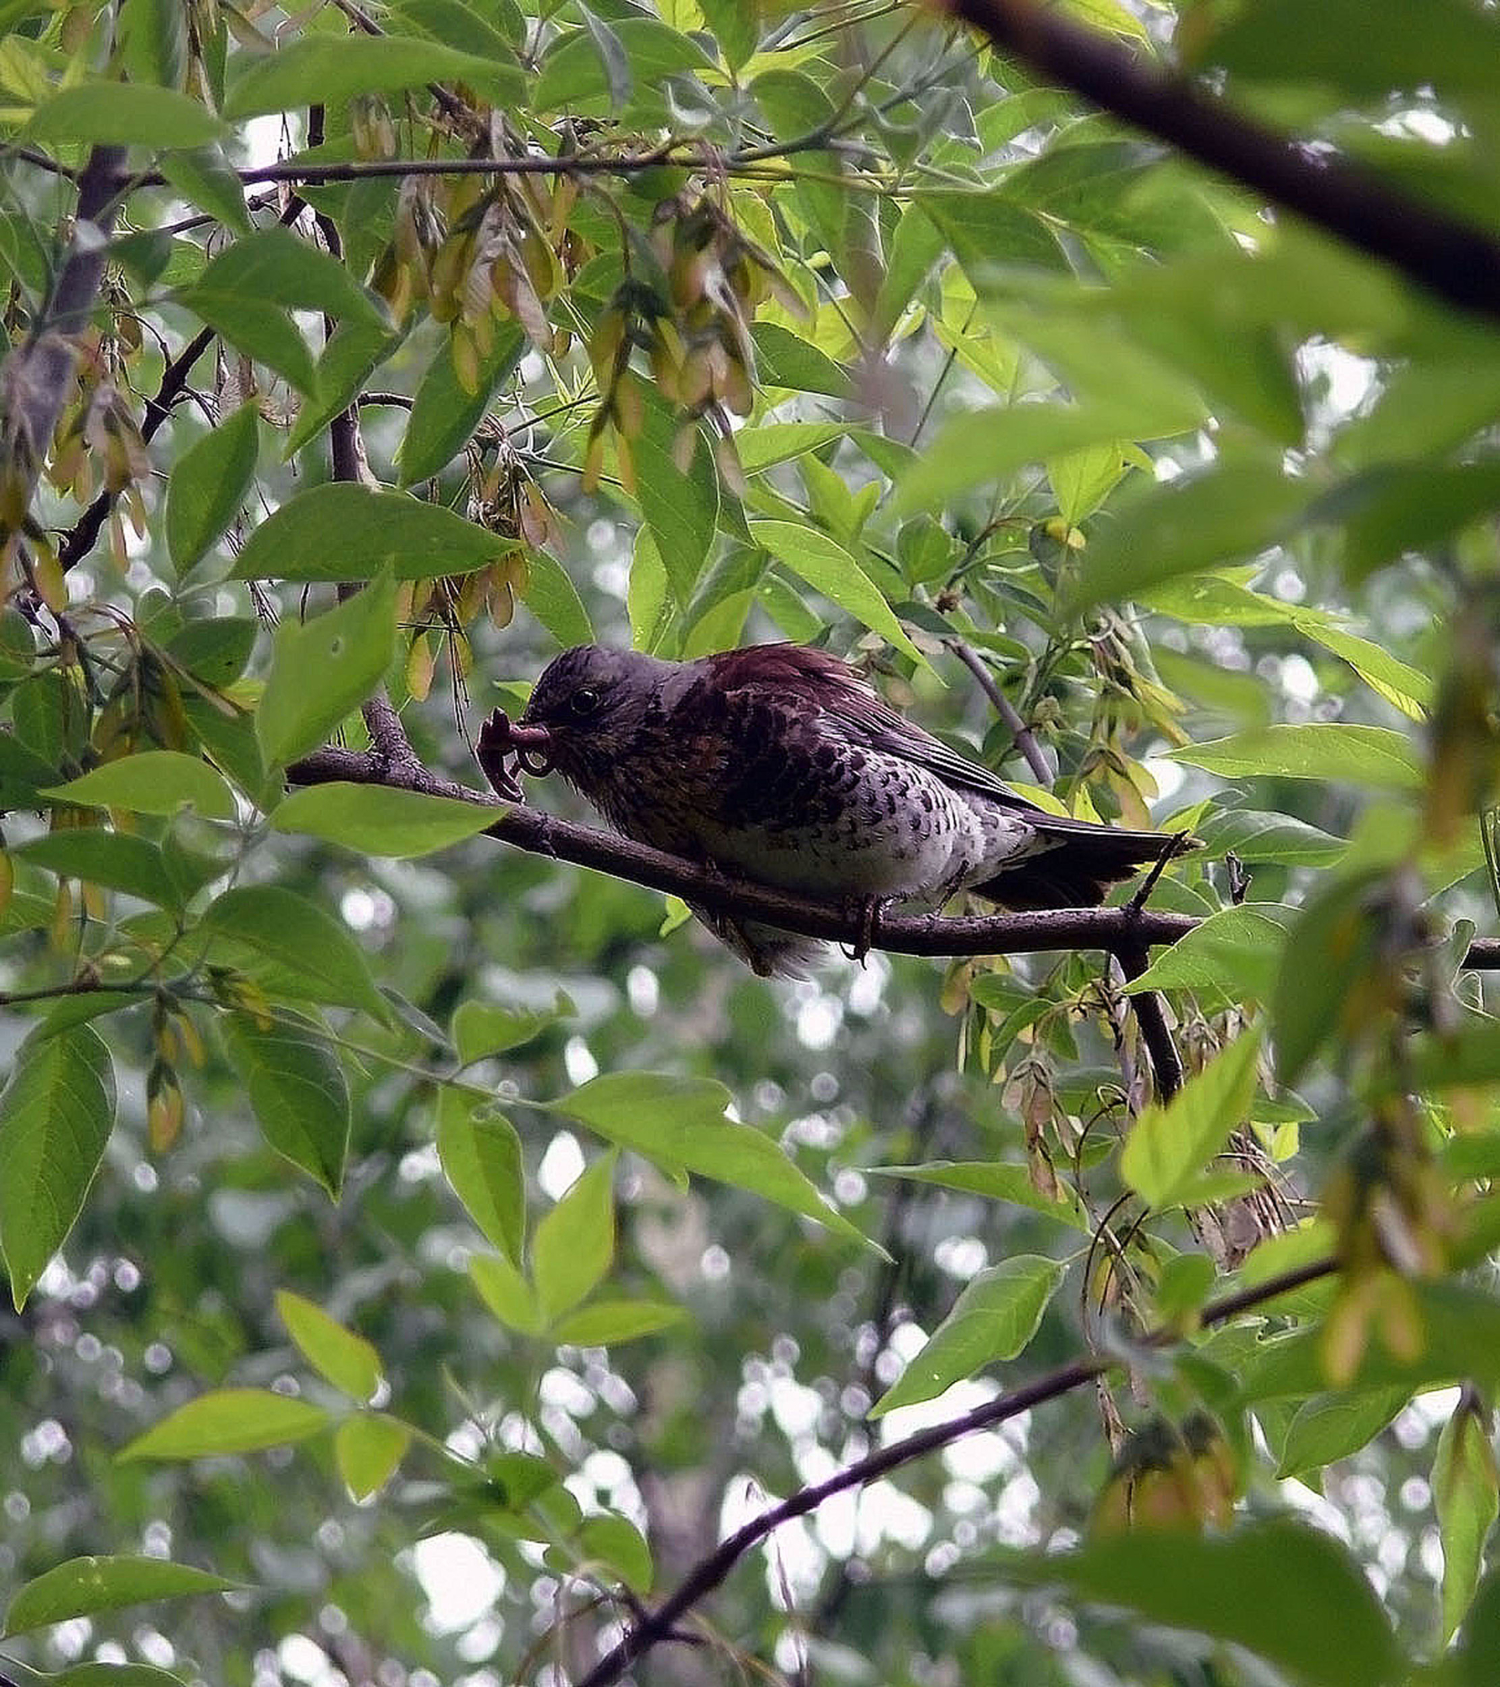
pixel 659 1624
pixel 904 934
pixel 38 377
pixel 1448 257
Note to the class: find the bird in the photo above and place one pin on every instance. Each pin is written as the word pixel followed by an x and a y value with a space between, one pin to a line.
pixel 779 763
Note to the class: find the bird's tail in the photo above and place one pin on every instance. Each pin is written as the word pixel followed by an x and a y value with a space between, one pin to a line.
pixel 1077 863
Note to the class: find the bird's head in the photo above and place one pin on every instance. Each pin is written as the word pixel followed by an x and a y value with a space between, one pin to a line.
pixel 586 710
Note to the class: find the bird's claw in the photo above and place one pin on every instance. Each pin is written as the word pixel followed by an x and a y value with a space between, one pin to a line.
pixel 500 738
pixel 868 910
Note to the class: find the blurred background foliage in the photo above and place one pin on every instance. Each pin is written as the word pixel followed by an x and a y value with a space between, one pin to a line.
pixel 837 325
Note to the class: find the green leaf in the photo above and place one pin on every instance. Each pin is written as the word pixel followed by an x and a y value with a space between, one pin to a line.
pixel 261 330
pixel 56 1113
pixel 297 1093
pixel 574 71
pixel 324 668
pixel 1398 507
pixel 647 595
pixel 1460 1329
pixel 994 1317
pixel 98 113
pixel 339 1356
pixel 828 568
pixel 215 650
pixel 735 31
pixel 368 1450
pixel 574 1244
pixel 771 443
pixel 205 177
pixel 681 510
pixel 1328 1628
pixel 1333 751
pixel 618 1545
pixel 464 26
pixel 1396 681
pixel 153 42
pixel 292 947
pixel 209 483
pixel 1168 1146
pixel 1225 514
pixel 986 447
pixel 1466 1495
pixel 680 1123
pixel 1258 835
pixel 275 265
pixel 81 1587
pixel 486 1028
pixel 115 860
pixel 325 69
pixel 357 348
pixel 1082 480
pixel 1479 1644
pixel 376 820
pixel 481 1156
pixel 445 413
pixel 606 1322
pixel 1333 1426
pixel 785 359
pixel 1333 946
pixel 1234 954
pixel 1359 51
pixel 552 597
pixel 228 1420
pixel 988 231
pixel 114 1675
pixel 23 774
pixel 342 531
pixel 1465 1058
pixel 151 782
pixel 612 57
pixel 996 1181
pixel 506 1292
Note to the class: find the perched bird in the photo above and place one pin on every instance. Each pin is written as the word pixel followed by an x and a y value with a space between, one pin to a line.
pixel 779 763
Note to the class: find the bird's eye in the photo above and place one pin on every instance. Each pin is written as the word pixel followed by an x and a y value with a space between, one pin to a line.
pixel 584 701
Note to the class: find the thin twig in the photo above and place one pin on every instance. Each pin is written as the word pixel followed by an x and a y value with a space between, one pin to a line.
pixel 1025 739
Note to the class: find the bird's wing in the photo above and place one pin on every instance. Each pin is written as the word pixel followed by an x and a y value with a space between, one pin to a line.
pixel 827 685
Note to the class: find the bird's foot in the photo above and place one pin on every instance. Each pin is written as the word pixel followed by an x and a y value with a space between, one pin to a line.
pixel 500 738
pixel 867 911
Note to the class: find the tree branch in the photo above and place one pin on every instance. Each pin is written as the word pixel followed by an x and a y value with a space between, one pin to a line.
pixel 659 1624
pixel 905 934
pixel 1457 262
pixel 1151 1016
pixel 38 376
